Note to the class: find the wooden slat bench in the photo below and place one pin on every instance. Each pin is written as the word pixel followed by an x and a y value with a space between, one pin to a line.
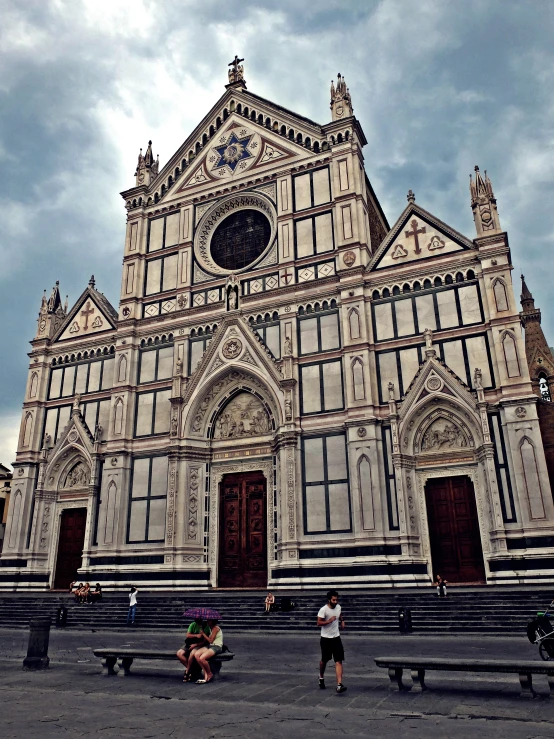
pixel 525 669
pixel 125 656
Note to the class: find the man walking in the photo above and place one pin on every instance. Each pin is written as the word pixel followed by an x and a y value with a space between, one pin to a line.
pixel 131 613
pixel 329 618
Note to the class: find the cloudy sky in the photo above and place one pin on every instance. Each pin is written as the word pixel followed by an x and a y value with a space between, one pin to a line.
pixel 438 85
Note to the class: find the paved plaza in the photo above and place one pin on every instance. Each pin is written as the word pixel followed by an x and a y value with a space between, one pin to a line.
pixel 269 690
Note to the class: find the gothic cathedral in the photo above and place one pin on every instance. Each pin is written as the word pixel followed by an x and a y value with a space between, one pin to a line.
pixel 291 392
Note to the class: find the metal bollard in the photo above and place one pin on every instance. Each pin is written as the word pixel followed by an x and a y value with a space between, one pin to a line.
pixel 61 617
pixel 37 649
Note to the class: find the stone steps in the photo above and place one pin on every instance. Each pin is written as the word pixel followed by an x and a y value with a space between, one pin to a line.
pixel 471 610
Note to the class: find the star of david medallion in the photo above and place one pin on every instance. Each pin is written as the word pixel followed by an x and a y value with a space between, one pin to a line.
pixel 234 153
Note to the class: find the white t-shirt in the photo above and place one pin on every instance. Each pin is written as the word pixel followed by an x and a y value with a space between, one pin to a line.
pixel 132 599
pixel 330 631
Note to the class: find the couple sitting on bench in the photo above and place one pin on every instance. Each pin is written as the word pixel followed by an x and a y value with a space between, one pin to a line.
pixel 204 641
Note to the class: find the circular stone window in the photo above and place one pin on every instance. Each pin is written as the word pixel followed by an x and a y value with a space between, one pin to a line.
pixel 236 233
pixel 240 239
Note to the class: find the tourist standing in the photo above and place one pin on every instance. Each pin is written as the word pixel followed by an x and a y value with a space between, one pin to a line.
pixel 329 618
pixel 132 606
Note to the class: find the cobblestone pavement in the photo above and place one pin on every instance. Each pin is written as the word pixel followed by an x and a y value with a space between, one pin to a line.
pixel 269 690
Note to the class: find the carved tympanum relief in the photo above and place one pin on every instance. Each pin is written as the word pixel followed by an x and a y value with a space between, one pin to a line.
pixel 443 434
pixel 77 477
pixel 243 416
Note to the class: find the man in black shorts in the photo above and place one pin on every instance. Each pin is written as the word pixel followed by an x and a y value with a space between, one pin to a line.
pixel 329 618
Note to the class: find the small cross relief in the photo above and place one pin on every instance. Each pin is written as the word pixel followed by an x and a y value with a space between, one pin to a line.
pixel 415 233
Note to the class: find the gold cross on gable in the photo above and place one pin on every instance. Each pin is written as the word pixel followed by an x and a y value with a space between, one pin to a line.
pixel 414 232
pixel 235 63
pixel 88 311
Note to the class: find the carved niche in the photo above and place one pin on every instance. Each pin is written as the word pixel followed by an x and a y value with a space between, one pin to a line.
pixel 77 477
pixel 244 415
pixel 443 434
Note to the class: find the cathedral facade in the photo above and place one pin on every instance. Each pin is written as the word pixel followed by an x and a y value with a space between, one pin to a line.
pixel 291 393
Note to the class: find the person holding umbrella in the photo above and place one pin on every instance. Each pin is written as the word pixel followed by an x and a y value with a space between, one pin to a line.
pixel 193 641
pixel 214 638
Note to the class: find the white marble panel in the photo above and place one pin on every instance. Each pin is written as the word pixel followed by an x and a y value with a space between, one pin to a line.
pixel 388 373
pixel 302 194
pixel 316 519
pixel 107 373
pixel 153 276
pixel 313 456
pixel 409 364
pixel 383 321
pixel 172 230
pixel 324 233
pixel 329 327
pixel 311 401
pixel 55 383
pixel 404 317
pixel 304 238
pixel 144 414
pixel 477 356
pixel 321 186
pixel 156 234
pixel 94 377
pixel 339 507
pixel 81 381
pixel 68 378
pixel 63 418
pixel 425 307
pixel 469 304
pixel 170 272
pixel 137 521
pixel 332 385
pixel 454 358
pixel 448 314
pixel 156 519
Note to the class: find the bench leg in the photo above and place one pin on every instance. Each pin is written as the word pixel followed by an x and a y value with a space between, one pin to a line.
pixel 418 679
pixel 125 665
pixel 108 663
pixel 395 676
pixel 215 667
pixel 526 682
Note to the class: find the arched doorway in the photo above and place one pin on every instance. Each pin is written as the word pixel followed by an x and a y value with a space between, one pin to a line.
pixel 70 546
pixel 243 531
pixel 456 550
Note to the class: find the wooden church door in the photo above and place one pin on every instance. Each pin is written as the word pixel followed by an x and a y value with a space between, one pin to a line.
pixel 243 531
pixel 70 547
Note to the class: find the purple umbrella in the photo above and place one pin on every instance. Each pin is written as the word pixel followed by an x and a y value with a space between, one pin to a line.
pixel 204 613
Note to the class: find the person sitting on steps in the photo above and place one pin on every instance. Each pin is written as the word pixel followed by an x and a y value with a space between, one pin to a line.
pixel 441 587
pixel 204 654
pixel 269 602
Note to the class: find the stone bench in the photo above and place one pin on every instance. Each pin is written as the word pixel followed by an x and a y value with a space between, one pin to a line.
pixel 125 656
pixel 525 669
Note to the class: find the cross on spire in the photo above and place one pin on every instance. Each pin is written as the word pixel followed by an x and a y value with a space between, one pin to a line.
pixel 236 73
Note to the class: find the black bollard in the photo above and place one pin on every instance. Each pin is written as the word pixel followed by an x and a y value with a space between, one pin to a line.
pixel 61 617
pixel 37 649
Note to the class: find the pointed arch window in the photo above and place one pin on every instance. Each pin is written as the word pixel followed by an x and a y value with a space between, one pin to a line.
pixel 365 487
pixel 27 428
pixel 118 417
pixel 354 323
pixel 122 369
pixel 33 385
pixel 500 295
pixel 358 379
pixel 510 355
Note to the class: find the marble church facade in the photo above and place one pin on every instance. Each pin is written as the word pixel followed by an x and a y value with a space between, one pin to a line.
pixel 291 392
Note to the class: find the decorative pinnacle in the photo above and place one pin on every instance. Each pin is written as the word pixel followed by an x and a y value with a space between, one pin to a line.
pixel 411 196
pixel 92 281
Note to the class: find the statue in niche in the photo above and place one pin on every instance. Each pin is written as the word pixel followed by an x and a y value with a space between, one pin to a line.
pixel 288 346
pixel 244 416
pixel 443 435
pixel 77 477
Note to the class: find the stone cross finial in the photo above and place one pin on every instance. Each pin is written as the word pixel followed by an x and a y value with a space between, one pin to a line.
pixel 92 281
pixel 236 73
pixel 411 196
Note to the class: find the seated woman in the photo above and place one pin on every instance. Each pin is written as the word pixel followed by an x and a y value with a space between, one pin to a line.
pixel 96 594
pixel 269 602
pixel 204 654
pixel 78 590
pixel 85 593
pixel 195 639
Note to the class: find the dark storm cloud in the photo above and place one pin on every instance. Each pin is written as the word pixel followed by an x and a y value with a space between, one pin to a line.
pixel 437 86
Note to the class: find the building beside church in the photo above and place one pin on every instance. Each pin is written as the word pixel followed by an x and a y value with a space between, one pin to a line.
pixel 291 392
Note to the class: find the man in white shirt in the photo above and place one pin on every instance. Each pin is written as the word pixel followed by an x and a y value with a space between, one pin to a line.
pixel 329 618
pixel 132 606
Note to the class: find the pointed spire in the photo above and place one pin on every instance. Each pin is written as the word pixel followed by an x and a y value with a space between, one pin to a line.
pixel 527 300
pixel 411 196
pixel 92 282
pixel 66 304
pixel 55 300
pixel 341 102
pixel 483 203
pixel 149 157
pixel 147 166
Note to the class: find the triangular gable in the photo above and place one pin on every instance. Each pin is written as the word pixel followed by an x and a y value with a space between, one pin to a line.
pixel 239 147
pixel 417 235
pixel 263 107
pixel 434 378
pixel 233 344
pixel 91 314
pixel 76 434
